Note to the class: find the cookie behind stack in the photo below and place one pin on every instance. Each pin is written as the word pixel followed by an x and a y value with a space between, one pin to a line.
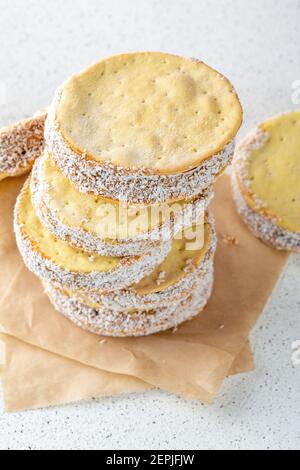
pixel 21 144
pixel 266 181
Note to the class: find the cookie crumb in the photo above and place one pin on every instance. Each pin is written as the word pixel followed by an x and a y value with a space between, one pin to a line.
pixel 161 278
pixel 229 240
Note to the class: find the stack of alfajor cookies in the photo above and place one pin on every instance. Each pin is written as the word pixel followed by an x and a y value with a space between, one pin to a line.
pixel 114 217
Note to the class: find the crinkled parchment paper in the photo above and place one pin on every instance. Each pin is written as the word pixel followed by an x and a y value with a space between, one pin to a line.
pixel 51 361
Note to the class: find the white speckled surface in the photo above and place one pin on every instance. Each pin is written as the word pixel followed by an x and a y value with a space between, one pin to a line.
pixel 257 44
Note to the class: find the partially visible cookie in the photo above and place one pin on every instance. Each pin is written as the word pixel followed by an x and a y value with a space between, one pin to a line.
pixel 21 144
pixel 171 281
pixel 104 321
pixel 103 226
pixel 266 181
pixel 55 261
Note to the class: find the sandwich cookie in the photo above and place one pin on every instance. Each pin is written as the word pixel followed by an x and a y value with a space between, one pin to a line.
pixel 172 281
pixel 55 261
pixel 103 321
pixel 144 127
pixel 21 144
pixel 103 226
pixel 265 181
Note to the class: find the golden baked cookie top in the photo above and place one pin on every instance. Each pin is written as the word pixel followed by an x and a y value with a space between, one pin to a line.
pixel 182 258
pixel 270 170
pixel 153 111
pixel 180 261
pixel 108 219
pixel 55 250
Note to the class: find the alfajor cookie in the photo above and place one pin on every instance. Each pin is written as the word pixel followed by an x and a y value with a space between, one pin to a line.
pixel 103 321
pixel 103 226
pixel 144 127
pixel 55 261
pixel 266 181
pixel 21 144
pixel 171 281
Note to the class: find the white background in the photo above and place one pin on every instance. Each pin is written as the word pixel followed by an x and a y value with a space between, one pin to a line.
pixel 257 45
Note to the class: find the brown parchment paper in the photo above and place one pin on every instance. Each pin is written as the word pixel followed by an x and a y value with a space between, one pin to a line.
pixel 34 378
pixel 192 361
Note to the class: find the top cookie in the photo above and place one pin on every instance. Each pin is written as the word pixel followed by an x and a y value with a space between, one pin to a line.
pixel 268 170
pixel 157 112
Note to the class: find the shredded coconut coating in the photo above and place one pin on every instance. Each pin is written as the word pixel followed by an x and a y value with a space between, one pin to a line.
pixel 129 298
pixel 134 185
pixel 263 227
pixel 90 242
pixel 21 144
pixel 129 271
pixel 104 321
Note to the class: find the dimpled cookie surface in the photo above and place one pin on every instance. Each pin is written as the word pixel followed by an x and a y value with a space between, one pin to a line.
pixel 273 171
pixel 151 111
pixel 183 255
pixel 55 250
pixel 106 218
